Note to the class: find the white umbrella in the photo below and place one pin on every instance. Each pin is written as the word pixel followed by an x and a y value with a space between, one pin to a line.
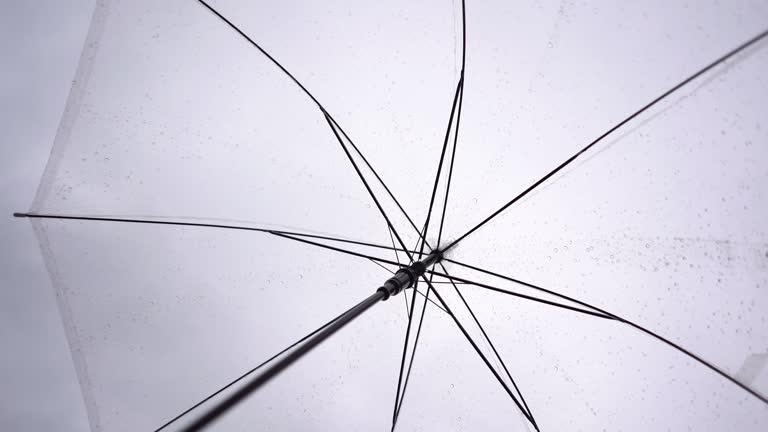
pixel 203 209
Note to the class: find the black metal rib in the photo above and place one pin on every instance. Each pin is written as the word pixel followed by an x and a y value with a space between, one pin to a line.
pixel 430 300
pixel 423 236
pixel 332 122
pixel 705 69
pixel 527 297
pixel 310 95
pixel 397 257
pixel 394 248
pixel 285 234
pixel 407 307
pixel 333 125
pixel 459 86
pixel 630 323
pixel 405 350
pixel 480 353
pixel 458 116
pixel 448 282
pixel 376 174
pixel 453 159
pixel 695 357
pixel 365 183
pixel 344 251
pixel 493 347
pixel 463 37
pixel 379 264
pixel 198 224
pixel 526 284
pixel 420 242
pixel 263 51
pixel 396 409
pixel 399 405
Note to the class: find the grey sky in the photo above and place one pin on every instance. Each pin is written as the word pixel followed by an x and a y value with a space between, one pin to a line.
pixel 40 43
pixel 173 115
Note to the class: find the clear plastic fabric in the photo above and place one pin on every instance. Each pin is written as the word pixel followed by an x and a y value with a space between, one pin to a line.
pixel 174 116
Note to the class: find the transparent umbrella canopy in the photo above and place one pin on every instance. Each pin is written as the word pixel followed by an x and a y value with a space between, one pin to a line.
pixel 229 176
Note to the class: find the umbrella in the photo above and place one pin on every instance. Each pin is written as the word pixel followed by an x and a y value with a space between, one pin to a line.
pixel 229 176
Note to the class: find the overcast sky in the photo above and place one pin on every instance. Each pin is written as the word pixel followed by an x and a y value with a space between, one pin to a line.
pixel 40 43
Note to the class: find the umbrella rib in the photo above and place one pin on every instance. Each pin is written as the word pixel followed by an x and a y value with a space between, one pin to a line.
pixel 430 300
pixel 697 74
pixel 314 99
pixel 423 236
pixel 407 307
pixel 480 353
pixel 416 246
pixel 285 234
pixel 463 36
pixel 526 284
pixel 243 376
pixel 396 409
pixel 333 248
pixel 602 314
pixel 394 248
pixel 695 357
pixel 503 365
pixel 365 183
pixel 405 350
pixel 380 265
pixel 453 159
pixel 459 87
pixel 458 116
pixel 397 257
pixel 263 51
pixel 398 406
pixel 630 323
pixel 375 174
pixel 197 224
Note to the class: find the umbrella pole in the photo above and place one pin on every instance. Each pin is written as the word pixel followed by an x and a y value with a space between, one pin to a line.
pixel 404 278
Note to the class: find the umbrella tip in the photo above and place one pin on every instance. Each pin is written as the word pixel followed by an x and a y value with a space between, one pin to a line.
pixel 439 254
pixel 19 215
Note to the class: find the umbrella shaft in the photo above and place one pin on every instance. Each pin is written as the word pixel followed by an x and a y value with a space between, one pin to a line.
pixel 407 276
pixel 404 278
pixel 283 363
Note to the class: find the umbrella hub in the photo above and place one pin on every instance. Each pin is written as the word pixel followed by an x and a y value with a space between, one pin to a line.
pixel 407 276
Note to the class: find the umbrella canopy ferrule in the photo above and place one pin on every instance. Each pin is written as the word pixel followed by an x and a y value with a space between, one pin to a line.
pixel 407 276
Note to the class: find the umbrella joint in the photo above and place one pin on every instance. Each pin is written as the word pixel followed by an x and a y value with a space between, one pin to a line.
pixel 405 277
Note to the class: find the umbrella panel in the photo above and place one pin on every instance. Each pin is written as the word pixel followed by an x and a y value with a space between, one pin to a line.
pixel 255 148
pixel 663 226
pixel 152 331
